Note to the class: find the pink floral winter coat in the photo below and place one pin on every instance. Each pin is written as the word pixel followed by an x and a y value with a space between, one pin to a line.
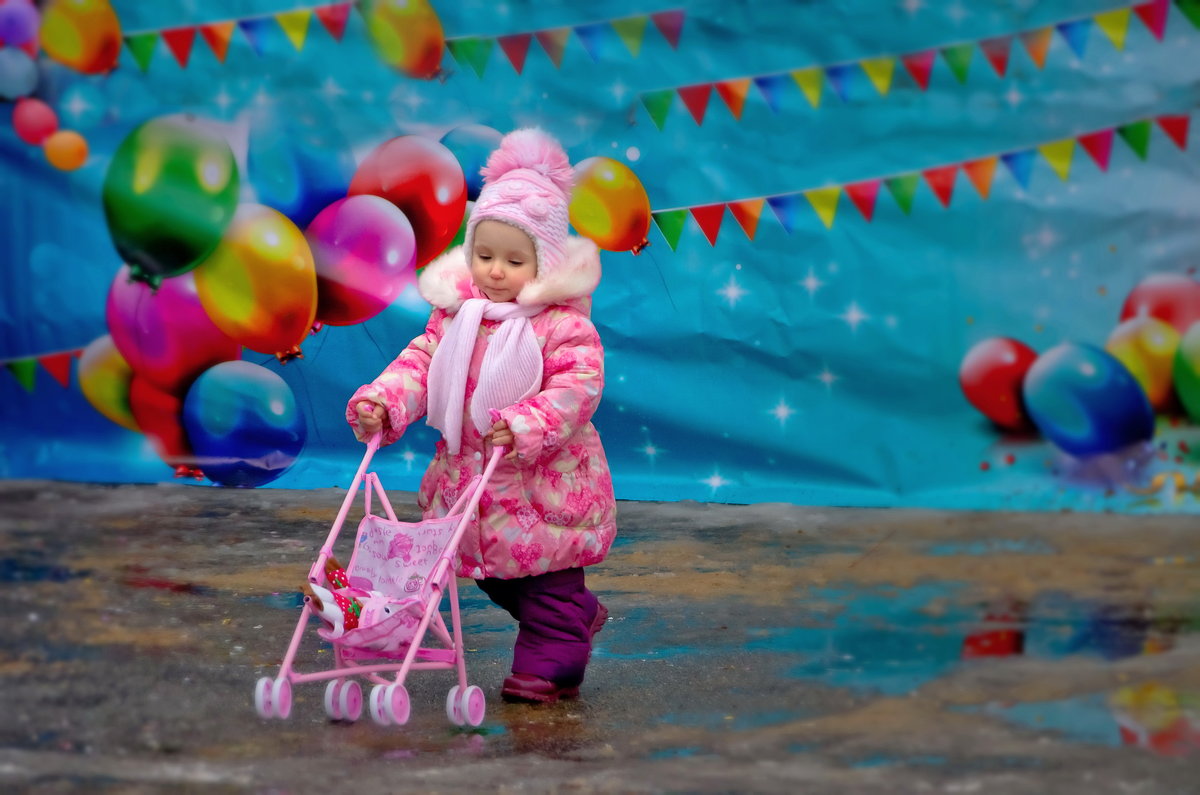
pixel 552 508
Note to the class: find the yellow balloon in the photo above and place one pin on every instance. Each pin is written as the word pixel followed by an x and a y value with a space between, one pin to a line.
pixel 609 205
pixel 260 285
pixel 82 34
pixel 407 34
pixel 1146 346
pixel 104 378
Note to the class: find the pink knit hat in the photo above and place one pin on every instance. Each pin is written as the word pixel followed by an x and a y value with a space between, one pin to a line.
pixel 527 184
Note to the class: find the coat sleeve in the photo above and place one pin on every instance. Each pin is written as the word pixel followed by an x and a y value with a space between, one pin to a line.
pixel 401 388
pixel 572 383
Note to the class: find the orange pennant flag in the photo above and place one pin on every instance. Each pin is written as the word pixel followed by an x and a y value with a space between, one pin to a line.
pixel 747 214
pixel 980 172
pixel 734 94
pixel 1037 44
pixel 218 35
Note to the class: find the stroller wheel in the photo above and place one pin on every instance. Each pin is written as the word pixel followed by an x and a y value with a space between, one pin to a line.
pixel 454 707
pixel 396 704
pixel 350 701
pixel 281 697
pixel 375 705
pixel 333 704
pixel 262 697
pixel 473 705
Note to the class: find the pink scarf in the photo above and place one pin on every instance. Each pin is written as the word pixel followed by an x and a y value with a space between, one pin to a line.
pixel 511 369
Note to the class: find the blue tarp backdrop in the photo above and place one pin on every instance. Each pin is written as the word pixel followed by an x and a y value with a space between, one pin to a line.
pixel 847 198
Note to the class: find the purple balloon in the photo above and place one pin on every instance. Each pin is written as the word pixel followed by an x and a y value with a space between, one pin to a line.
pixel 165 336
pixel 18 23
pixel 365 252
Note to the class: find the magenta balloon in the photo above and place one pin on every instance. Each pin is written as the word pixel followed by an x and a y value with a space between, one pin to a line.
pixel 165 336
pixel 365 252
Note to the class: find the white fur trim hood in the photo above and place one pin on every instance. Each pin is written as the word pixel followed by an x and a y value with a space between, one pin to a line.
pixel 446 281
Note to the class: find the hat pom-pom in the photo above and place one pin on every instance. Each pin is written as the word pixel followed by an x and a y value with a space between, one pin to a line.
pixel 535 150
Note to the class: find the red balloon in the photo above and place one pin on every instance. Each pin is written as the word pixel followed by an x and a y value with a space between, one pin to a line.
pixel 990 376
pixel 424 179
pixel 159 415
pixel 34 120
pixel 1170 297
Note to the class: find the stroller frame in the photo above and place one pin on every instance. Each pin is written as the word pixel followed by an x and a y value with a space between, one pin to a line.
pixel 388 702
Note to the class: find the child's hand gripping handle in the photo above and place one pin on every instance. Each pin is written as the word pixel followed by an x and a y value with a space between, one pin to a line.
pixel 370 418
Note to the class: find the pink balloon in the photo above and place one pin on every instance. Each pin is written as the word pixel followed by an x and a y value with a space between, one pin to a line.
pixel 165 336
pixel 34 120
pixel 365 253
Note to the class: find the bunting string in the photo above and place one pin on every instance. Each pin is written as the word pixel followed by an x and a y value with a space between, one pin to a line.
pixel 56 363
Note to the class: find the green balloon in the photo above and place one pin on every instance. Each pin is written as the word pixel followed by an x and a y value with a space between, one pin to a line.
pixel 169 192
pixel 1186 371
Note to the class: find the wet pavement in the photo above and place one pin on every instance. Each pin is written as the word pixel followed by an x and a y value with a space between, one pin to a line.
pixel 764 648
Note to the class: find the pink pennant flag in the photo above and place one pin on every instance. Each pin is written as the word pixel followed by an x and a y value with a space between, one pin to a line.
pixel 670 25
pixel 179 40
pixel 1154 16
pixel 516 47
pixel 1099 146
pixel 696 99
pixel 920 65
pixel 941 179
pixel 709 218
pixel 863 194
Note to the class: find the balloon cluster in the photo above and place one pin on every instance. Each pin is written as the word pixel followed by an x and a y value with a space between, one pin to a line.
pixel 1088 400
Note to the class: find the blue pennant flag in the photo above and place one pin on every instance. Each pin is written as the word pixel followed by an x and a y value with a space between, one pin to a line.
pixel 593 37
pixel 1076 34
pixel 772 88
pixel 1020 164
pixel 257 31
pixel 785 209
pixel 842 79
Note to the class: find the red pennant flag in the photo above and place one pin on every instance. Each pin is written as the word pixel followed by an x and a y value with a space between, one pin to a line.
pixel 709 217
pixel 516 47
pixel 1154 16
pixel 696 99
pixel 980 172
pixel 919 65
pixel 747 214
pixel 996 51
pixel 863 195
pixel 179 40
pixel 734 94
pixel 218 36
pixel 1099 146
pixel 334 18
pixel 1176 127
pixel 941 179
pixel 670 25
pixel 59 366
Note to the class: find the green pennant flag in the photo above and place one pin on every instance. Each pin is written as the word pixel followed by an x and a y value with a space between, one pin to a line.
pixel 1191 10
pixel 1137 135
pixel 142 46
pixel 958 56
pixel 473 52
pixel 658 104
pixel 670 223
pixel 903 190
pixel 25 370
pixel 631 30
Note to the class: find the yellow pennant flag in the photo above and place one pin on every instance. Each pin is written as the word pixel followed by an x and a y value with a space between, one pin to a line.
pixel 810 81
pixel 1058 154
pixel 295 25
pixel 880 71
pixel 1115 25
pixel 825 202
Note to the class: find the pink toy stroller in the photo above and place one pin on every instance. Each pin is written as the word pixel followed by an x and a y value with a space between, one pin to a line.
pixel 408 567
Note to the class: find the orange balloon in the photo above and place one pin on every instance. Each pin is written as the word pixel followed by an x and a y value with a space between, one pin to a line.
pixel 1147 346
pixel 407 34
pixel 82 34
pixel 66 150
pixel 610 206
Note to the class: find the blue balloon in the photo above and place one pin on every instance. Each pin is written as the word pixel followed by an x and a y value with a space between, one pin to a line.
pixel 18 74
pixel 243 424
pixel 471 144
pixel 296 170
pixel 1085 401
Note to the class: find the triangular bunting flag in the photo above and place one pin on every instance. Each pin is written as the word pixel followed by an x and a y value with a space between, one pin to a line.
pixel 554 42
pixel 658 103
pixel 631 31
pixel 784 208
pixel 747 214
pixel 863 194
pixel 696 99
pixel 1099 146
pixel 1191 10
pixel 142 46
pixel 903 190
pixel 920 65
pixel 334 18
pixel 1114 25
pixel 1137 135
pixel 25 371
pixel 670 25
pixel 1058 154
pixel 879 71
pixel 980 172
pixel 473 52
pixel 670 224
pixel 825 202
pixel 59 366
pixel 1176 127
pixel 771 87
pixel 295 25
pixel 592 37
pixel 941 179
pixel 1037 44
pixel 218 35
pixel 709 218
pixel 996 52
pixel 255 31
pixel 841 77
pixel 1021 165
pixel 1075 33
pixel 810 81
pixel 516 47
pixel 958 57
pixel 733 92
pixel 179 41
pixel 1154 15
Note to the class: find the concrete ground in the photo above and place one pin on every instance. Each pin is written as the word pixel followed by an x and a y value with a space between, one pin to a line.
pixel 750 649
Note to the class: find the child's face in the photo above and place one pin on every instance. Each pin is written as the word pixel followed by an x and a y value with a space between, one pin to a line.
pixel 503 260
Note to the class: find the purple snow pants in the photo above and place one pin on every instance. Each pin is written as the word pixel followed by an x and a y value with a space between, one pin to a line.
pixel 554 612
